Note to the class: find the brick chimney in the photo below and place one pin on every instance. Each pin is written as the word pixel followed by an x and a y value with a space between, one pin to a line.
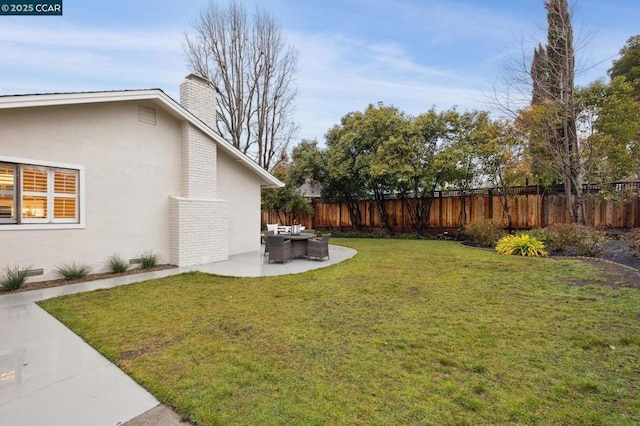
pixel 198 96
pixel 199 222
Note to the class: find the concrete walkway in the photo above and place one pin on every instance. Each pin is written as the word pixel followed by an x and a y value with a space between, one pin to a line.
pixel 49 376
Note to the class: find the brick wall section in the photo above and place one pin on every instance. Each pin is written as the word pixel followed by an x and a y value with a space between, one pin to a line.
pixel 198 221
pixel 198 96
pixel 199 231
pixel 198 164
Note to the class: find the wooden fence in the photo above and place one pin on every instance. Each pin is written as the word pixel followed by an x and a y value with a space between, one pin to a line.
pixel 530 207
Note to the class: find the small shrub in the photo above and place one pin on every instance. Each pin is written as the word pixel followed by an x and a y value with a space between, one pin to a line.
pixel 149 259
pixel 590 241
pixel 560 237
pixel 523 245
pixel 73 271
pixel 376 235
pixel 13 278
pixel 485 232
pixel 574 239
pixel 541 234
pixel 633 238
pixel 116 264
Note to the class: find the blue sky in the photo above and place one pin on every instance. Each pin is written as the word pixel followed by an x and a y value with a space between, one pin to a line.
pixel 413 54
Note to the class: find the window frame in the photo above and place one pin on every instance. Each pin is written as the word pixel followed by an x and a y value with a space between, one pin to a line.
pixel 36 194
pixel 20 223
pixel 13 193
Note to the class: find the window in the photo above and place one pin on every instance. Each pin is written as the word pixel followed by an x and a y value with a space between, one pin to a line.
pixel 7 193
pixel 38 194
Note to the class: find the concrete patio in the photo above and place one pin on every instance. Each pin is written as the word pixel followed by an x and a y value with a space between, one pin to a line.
pixel 48 375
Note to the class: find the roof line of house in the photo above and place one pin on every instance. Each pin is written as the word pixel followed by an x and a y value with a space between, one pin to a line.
pixel 157 95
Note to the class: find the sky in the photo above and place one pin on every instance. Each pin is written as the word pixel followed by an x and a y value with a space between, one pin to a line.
pixel 412 54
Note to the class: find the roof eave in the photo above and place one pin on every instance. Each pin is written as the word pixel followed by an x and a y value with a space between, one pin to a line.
pixel 158 96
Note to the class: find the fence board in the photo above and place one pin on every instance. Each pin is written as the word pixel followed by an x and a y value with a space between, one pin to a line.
pixel 530 207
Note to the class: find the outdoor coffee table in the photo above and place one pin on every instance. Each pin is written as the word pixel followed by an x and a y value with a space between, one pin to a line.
pixel 298 243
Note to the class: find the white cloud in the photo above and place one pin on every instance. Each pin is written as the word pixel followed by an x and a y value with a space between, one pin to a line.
pixel 338 75
pixel 40 59
pixel 74 37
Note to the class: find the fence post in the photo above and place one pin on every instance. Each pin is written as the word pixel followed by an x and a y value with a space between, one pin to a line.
pixel 490 192
pixel 542 220
pixel 440 212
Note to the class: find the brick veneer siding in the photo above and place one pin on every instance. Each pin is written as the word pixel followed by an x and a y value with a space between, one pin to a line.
pixel 198 221
pixel 198 231
pixel 199 170
pixel 199 98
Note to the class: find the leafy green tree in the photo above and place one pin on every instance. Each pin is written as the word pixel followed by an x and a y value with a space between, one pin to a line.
pixel 286 200
pixel 411 158
pixel 628 65
pixel 609 124
pixel 344 183
pixel 502 159
pixel 355 168
pixel 308 163
pixel 459 160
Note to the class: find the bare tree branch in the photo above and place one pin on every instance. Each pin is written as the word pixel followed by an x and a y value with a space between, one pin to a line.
pixel 252 69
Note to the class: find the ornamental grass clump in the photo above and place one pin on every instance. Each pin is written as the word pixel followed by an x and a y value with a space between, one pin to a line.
pixel 522 244
pixel 73 271
pixel 13 278
pixel 148 259
pixel 116 264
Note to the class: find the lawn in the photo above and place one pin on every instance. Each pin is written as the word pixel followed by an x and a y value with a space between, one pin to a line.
pixel 406 332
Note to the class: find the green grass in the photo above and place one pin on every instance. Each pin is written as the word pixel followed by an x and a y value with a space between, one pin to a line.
pixel 407 332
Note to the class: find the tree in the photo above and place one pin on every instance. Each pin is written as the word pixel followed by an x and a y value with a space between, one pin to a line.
pixel 551 119
pixel 356 167
pixel 285 200
pixel 412 159
pixel 308 164
pixel 609 124
pixel 252 70
pixel 459 159
pixel 628 65
pixel 501 152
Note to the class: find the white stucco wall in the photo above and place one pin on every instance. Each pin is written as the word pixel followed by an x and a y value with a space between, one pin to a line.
pixel 131 169
pixel 241 189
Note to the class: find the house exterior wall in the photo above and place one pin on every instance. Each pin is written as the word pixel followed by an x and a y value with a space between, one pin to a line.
pixel 241 189
pixel 131 169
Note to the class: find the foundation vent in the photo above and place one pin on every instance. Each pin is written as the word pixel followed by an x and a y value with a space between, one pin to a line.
pixel 146 115
pixel 35 272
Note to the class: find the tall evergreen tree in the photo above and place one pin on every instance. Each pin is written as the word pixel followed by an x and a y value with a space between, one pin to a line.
pixel 539 72
pixel 552 72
